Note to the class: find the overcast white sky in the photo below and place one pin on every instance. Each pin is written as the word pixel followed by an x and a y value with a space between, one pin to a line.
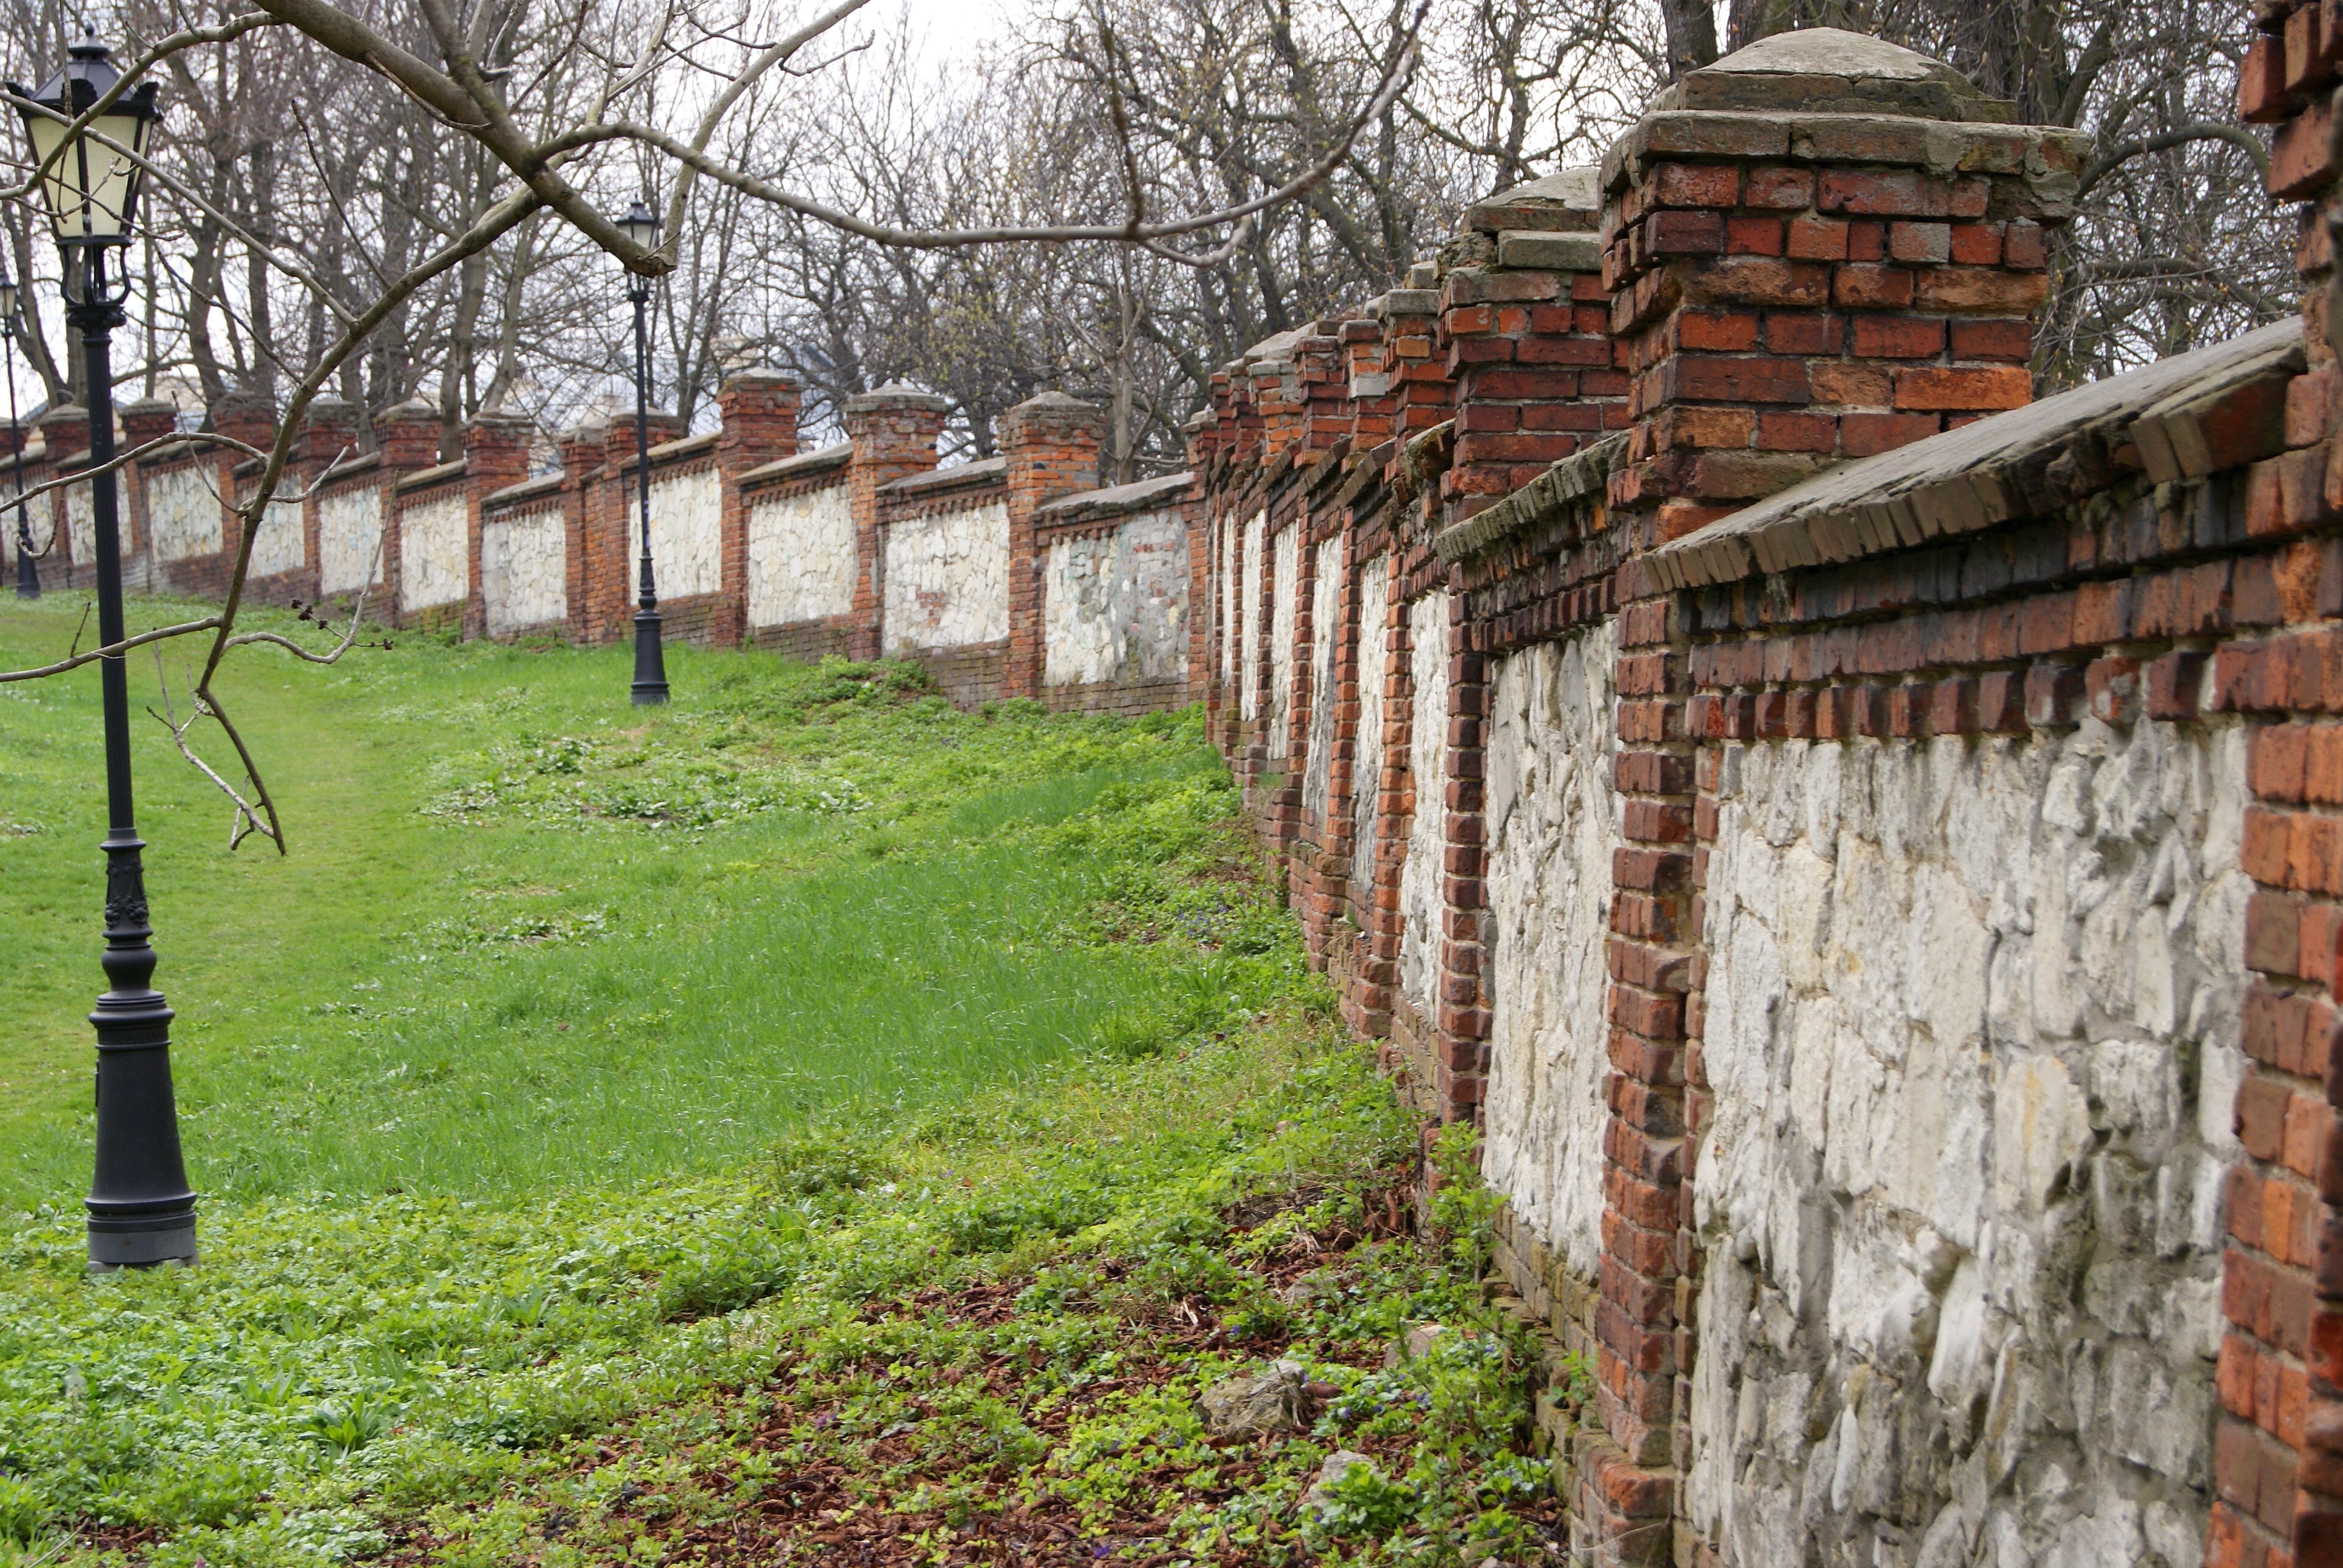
pixel 949 25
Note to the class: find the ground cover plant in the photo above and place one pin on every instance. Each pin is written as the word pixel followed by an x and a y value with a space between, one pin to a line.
pixel 808 1123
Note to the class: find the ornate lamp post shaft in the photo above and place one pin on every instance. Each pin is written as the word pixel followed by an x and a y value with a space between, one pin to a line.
pixel 28 572
pixel 141 1211
pixel 642 225
pixel 650 658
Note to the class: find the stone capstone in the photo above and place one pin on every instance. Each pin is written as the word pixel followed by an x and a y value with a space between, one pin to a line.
pixel 1273 1401
pixel 1829 69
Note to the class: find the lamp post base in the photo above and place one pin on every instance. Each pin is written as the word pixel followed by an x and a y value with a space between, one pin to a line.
pixel 110 1250
pixel 29 576
pixel 650 660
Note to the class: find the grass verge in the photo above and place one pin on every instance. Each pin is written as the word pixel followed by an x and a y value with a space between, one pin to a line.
pixel 806 1124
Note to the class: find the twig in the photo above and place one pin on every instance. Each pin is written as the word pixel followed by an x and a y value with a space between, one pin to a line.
pixel 246 821
pixel 350 637
pixel 111 651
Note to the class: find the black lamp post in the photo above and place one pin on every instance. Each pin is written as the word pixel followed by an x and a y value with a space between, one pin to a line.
pixel 642 225
pixel 141 1211
pixel 29 571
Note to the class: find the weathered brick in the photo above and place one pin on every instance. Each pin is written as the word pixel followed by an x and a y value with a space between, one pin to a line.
pixel 1990 387
pixel 1898 337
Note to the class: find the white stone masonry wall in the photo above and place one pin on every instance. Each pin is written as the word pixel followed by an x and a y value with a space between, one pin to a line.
pixel 40 521
pixel 434 554
pixel 1427 749
pixel 1284 600
pixel 349 539
pixel 801 557
pixel 81 525
pixel 283 543
pixel 1971 1012
pixel 1318 762
pixel 1552 819
pixel 1249 617
pixel 524 570
pixel 8 540
pixel 1367 753
pixel 686 532
pixel 1115 608
pixel 948 579
pixel 183 513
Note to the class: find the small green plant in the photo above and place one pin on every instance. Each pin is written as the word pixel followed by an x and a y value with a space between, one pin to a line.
pixel 23 1511
pixel 1364 1502
pixel 348 1425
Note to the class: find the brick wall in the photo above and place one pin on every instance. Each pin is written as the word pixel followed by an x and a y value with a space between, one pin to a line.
pixel 751 541
pixel 1751 466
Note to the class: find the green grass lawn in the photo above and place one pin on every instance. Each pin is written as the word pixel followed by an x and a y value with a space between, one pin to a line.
pixel 803 1120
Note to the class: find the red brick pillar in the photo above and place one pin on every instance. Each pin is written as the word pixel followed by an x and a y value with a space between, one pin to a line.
pixel 1414 369
pixel 329 432
pixel 406 440
pixel 2277 1455
pixel 1534 375
pixel 1270 375
pixel 1052 444
pixel 496 454
pixel 1533 371
pixel 760 409
pixel 1207 467
pixel 1240 427
pixel 401 435
pixel 1413 373
pixel 250 417
pixel 580 449
pixel 147 419
pixel 1794 285
pixel 894 432
pixel 1317 389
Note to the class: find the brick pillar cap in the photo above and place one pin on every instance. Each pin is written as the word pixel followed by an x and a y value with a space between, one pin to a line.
pixel 247 401
pixel 757 376
pixel 896 395
pixel 414 411
pixel 1568 198
pixel 1052 399
pixel 499 422
pixel 1266 356
pixel 325 408
pixel 1831 70
pixel 142 407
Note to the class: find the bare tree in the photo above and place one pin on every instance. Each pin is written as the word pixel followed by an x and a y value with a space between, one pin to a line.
pixel 538 107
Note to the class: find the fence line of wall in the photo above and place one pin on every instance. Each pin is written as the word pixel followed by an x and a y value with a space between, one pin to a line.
pixel 1862 849
pixel 1011 577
